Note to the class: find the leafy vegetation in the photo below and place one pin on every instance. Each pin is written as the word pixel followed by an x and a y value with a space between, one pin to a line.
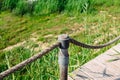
pixel 31 71
pixel 46 7
pixel 43 7
pixel 94 28
pixel 10 4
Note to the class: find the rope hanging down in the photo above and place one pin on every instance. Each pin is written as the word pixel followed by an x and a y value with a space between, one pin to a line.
pixel 93 47
pixel 27 61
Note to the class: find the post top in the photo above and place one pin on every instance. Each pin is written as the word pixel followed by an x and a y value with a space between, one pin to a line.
pixel 64 40
pixel 63 37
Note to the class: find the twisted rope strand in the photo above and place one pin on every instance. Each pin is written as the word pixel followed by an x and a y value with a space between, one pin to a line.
pixel 91 46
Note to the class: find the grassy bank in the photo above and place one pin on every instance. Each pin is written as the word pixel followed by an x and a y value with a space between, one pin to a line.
pixel 40 31
pixel 43 7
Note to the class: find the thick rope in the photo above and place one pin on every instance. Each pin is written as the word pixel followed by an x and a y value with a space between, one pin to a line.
pixel 35 57
pixel 93 47
pixel 27 61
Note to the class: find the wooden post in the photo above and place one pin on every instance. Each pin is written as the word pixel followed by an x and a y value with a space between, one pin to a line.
pixel 63 57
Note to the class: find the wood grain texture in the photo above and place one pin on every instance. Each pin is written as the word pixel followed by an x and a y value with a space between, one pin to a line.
pixel 104 67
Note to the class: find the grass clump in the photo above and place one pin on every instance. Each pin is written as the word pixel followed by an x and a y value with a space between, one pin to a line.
pixel 78 6
pixel 107 3
pixel 21 8
pixel 1 1
pixel 10 4
pixel 43 7
pixel 46 7
pixel 24 7
pixel 45 68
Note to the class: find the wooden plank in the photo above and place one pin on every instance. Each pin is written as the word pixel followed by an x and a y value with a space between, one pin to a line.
pixel 117 47
pixel 104 67
pixel 69 78
pixel 110 61
pixel 79 75
pixel 97 70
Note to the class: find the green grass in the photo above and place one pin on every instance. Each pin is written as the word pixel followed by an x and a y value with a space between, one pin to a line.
pixel 107 3
pixel 46 7
pixel 95 28
pixel 9 4
pixel 45 68
pixel 36 69
pixel 43 7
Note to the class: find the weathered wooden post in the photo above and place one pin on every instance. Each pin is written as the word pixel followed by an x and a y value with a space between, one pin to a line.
pixel 63 57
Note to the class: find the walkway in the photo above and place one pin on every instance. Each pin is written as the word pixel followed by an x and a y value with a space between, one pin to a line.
pixel 104 67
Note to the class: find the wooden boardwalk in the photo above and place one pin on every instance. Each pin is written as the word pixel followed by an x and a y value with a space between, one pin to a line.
pixel 104 67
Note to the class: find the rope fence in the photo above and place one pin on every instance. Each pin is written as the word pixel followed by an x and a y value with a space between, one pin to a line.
pixel 27 61
pixel 63 44
pixel 91 46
